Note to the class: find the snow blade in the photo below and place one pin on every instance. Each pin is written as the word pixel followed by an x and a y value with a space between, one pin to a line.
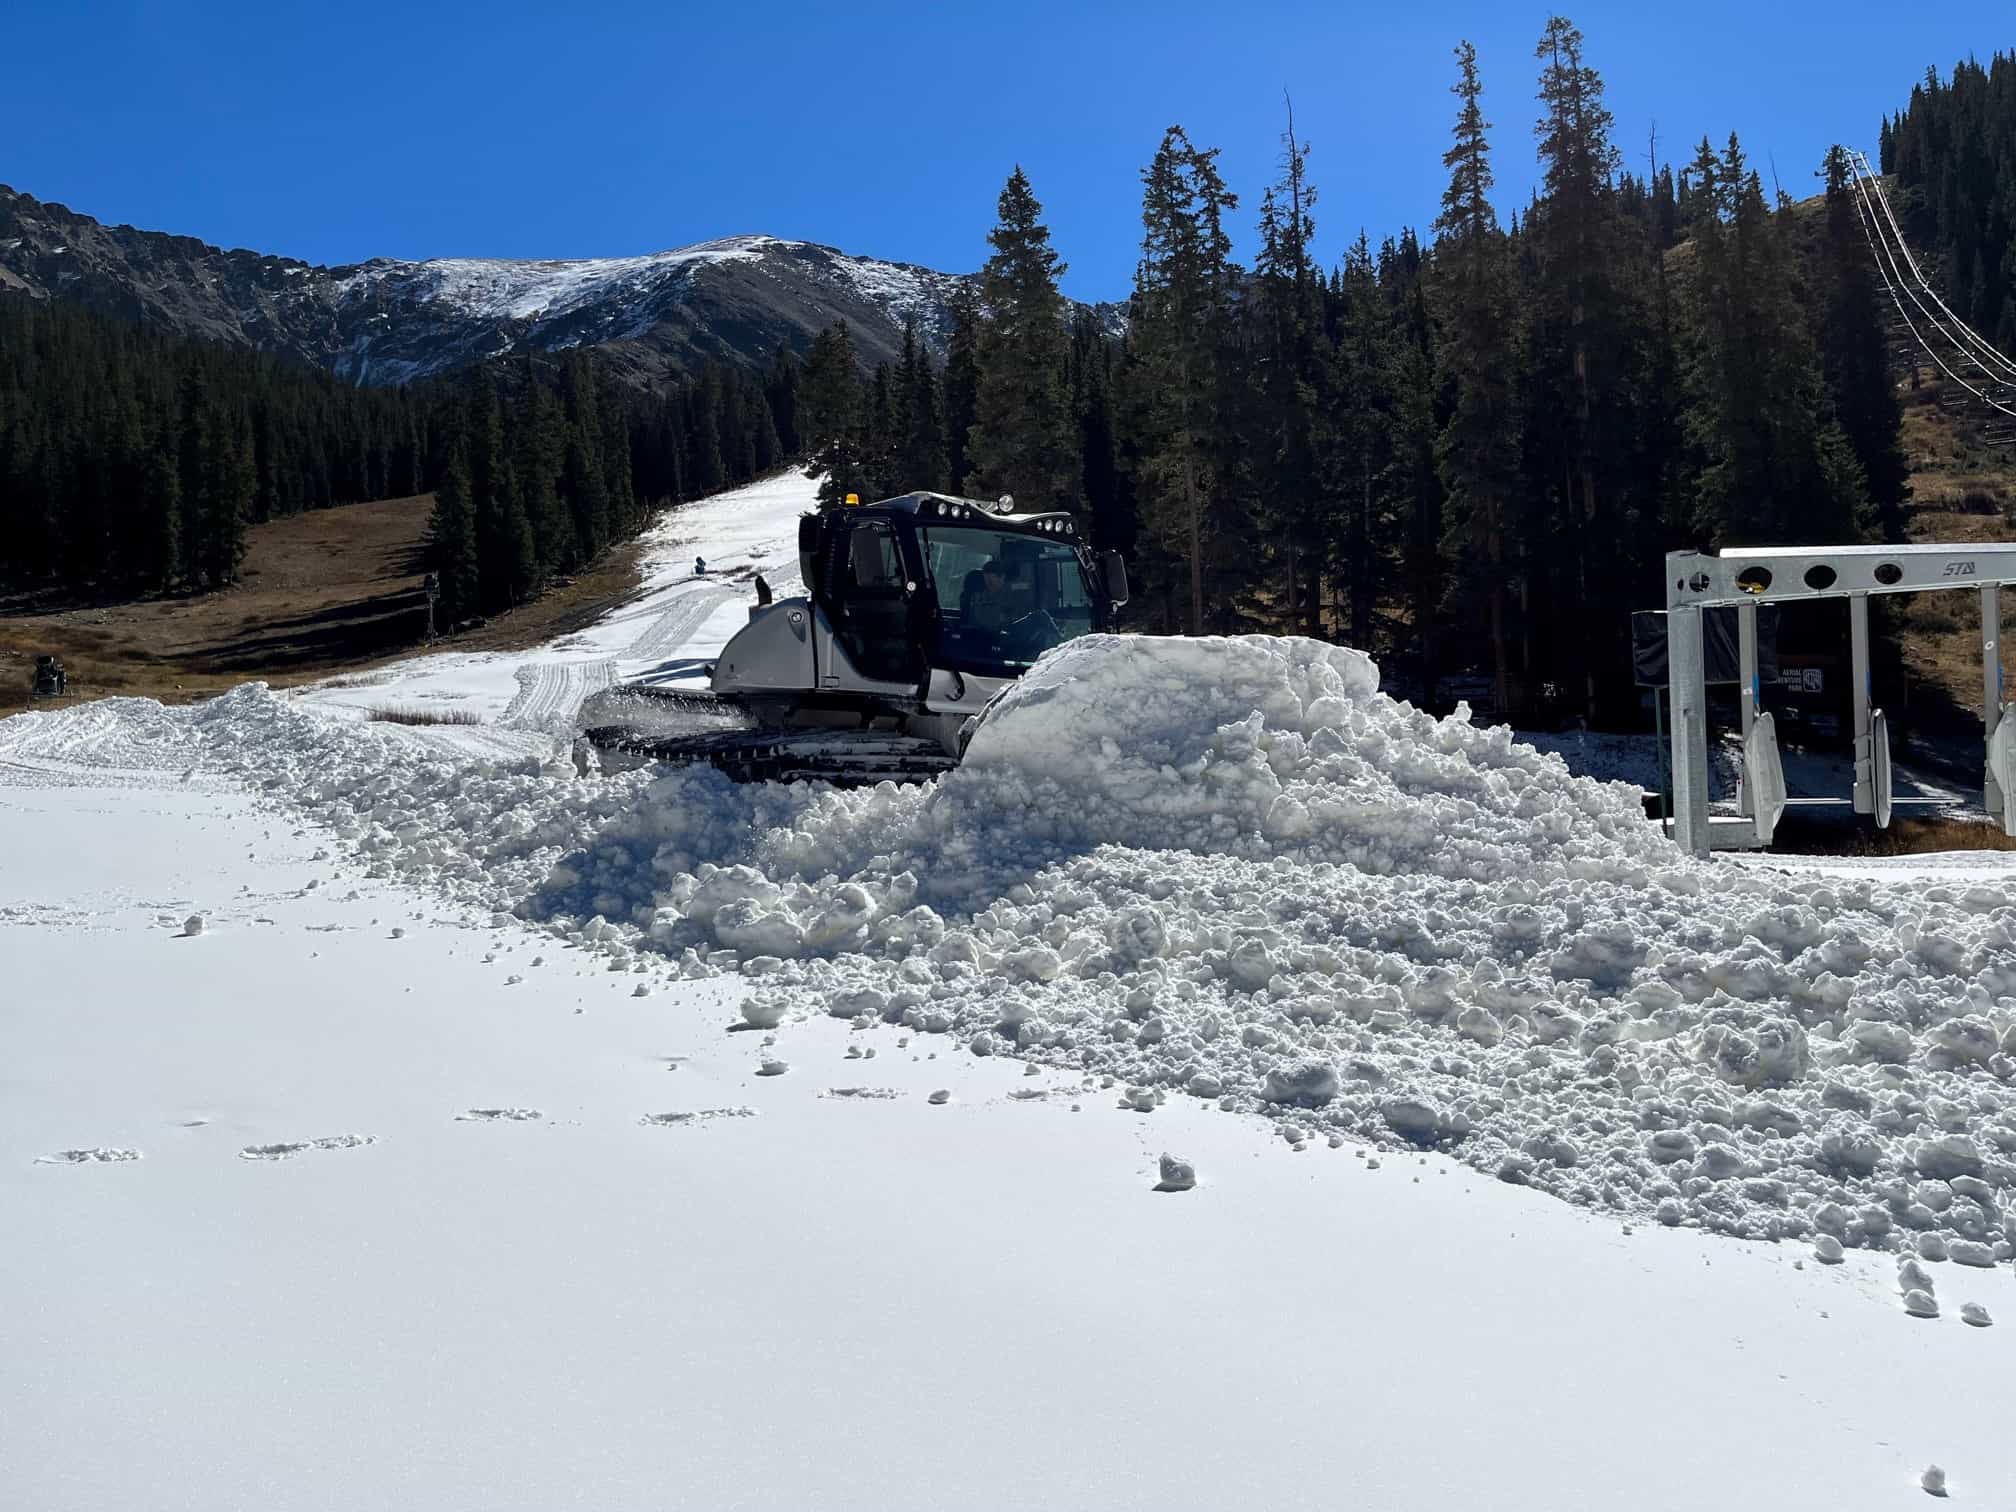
pixel 843 758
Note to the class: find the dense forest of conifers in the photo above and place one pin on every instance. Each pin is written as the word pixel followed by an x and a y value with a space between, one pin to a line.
pixel 1953 151
pixel 134 462
pixel 1464 454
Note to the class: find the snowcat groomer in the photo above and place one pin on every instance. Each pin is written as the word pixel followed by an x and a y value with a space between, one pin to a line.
pixel 917 610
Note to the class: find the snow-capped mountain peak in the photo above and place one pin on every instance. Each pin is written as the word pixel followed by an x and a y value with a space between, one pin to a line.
pixel 657 317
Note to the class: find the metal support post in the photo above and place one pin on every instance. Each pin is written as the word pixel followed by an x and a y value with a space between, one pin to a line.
pixel 1687 677
pixel 1865 751
pixel 1991 687
pixel 1750 696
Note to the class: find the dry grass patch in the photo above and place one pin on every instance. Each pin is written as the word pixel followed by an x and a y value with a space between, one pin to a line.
pixel 335 590
pixel 1920 837
pixel 391 715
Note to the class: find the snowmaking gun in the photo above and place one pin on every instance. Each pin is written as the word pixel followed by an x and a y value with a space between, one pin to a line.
pixel 917 611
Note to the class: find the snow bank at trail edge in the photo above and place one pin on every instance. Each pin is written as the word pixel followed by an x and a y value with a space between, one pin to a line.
pixel 1233 870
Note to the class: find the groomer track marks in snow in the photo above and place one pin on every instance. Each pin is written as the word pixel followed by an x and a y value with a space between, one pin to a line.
pixel 549 692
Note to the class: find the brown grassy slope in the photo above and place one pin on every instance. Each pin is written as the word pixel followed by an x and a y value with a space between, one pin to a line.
pixel 321 592
pixel 1962 489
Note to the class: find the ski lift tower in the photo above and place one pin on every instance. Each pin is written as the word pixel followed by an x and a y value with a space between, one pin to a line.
pixel 1743 579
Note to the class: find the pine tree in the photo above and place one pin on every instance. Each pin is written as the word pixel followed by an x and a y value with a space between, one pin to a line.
pixel 920 419
pixel 1584 322
pixel 1855 354
pixel 506 550
pixel 833 418
pixel 1109 515
pixel 1357 478
pixel 1290 346
pixel 163 493
pixel 539 447
pixel 451 542
pixel 1022 439
pixel 706 469
pixel 760 444
pixel 962 383
pixel 583 485
pixel 1776 467
pixel 883 448
pixel 781 390
pixel 1477 354
pixel 229 485
pixel 1180 327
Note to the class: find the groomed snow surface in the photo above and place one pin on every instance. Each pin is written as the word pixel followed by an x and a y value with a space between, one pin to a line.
pixel 1230 1086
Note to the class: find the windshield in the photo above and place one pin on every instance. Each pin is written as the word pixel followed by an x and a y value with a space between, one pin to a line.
pixel 1003 599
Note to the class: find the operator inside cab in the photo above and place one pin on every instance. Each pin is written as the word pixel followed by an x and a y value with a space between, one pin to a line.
pixel 992 603
pixel 986 597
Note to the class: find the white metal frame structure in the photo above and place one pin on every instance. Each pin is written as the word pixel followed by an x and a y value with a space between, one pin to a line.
pixel 1790 574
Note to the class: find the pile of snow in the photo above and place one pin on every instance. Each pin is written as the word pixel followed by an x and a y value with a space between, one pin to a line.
pixel 1234 871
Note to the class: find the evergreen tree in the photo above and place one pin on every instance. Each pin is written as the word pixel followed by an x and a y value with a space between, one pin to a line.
pixel 583 484
pixel 1776 467
pixel 163 518
pixel 538 452
pixel 833 418
pixel 451 542
pixel 961 386
pixel 706 469
pixel 1370 379
pixel 229 485
pixel 1109 512
pixel 883 449
pixel 1290 347
pixel 1478 450
pixel 1183 292
pixel 920 419
pixel 1022 440
pixel 1855 354
pixel 1586 318
pixel 780 386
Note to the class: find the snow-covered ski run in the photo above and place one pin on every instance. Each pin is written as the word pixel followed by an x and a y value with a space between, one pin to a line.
pixel 394 1116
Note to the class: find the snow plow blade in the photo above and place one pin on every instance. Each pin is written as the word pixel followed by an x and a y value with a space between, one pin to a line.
pixel 841 758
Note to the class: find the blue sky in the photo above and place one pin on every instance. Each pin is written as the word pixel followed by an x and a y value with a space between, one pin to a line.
pixel 340 131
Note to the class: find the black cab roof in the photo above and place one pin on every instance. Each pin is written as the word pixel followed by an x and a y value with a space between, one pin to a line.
pixel 930 506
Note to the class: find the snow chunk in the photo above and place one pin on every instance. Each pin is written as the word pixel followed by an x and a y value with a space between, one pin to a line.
pixel 1309 1083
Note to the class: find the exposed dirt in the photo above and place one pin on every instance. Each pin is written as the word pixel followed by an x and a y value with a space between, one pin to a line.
pixel 324 592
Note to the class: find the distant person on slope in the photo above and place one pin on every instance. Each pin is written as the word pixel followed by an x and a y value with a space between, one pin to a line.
pixel 699 566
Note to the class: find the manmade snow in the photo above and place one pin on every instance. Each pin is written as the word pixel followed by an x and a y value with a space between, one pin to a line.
pixel 1230 1085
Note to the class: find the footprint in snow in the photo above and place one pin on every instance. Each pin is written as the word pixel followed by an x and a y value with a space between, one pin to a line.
pixel 97 1155
pixel 290 1150
pixel 702 1115
pixel 499 1115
